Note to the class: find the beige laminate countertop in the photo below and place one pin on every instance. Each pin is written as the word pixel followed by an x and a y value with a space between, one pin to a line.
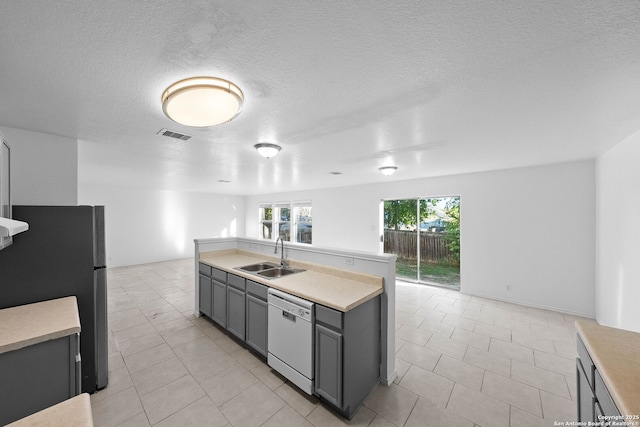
pixel 335 288
pixel 30 324
pixel 74 412
pixel 615 354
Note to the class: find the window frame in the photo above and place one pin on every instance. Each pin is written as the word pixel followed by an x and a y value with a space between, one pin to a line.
pixel 276 221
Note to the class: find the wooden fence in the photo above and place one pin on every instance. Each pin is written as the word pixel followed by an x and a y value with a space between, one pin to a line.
pixel 433 246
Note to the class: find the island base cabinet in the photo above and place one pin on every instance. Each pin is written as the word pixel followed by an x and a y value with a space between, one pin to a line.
pixel 38 376
pixel 219 314
pixel 347 355
pixel 257 315
pixel 328 358
pixel 235 312
pixel 206 296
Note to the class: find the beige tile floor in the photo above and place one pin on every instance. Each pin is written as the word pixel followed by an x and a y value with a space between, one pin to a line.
pixel 461 361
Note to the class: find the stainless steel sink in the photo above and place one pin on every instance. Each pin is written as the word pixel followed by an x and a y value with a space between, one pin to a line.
pixel 258 267
pixel 273 273
pixel 269 270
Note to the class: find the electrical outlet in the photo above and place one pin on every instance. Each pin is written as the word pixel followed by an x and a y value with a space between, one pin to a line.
pixel 348 261
pixel 508 287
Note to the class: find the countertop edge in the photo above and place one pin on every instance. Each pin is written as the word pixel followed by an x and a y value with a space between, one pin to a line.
pixel 75 412
pixel 600 342
pixel 41 330
pixel 17 345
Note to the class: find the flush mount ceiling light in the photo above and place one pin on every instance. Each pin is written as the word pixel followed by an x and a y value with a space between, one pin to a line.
pixel 202 101
pixel 267 150
pixel 388 170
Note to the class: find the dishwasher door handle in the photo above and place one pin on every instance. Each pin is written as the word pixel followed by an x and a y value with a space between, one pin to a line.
pixel 289 316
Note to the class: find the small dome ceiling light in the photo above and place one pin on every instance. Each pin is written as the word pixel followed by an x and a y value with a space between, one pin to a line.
pixel 202 101
pixel 388 170
pixel 267 150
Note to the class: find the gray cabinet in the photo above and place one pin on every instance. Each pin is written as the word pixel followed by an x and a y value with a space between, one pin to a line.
pixel 38 376
pixel 236 305
pixel 347 355
pixel 593 398
pixel 328 369
pixel 213 293
pixel 257 317
pixel 206 295
pixel 219 305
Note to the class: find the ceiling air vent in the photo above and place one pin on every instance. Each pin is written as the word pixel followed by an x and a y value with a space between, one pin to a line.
pixel 174 134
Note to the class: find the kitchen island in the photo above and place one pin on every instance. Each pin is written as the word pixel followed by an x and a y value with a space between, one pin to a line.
pixel 381 265
pixel 347 347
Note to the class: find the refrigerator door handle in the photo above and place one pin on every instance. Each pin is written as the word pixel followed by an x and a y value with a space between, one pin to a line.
pixel 101 328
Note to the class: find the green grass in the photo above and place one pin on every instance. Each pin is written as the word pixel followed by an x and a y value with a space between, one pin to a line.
pixel 441 273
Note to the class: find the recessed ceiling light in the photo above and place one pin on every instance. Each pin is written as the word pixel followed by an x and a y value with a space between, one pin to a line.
pixel 202 101
pixel 267 150
pixel 388 170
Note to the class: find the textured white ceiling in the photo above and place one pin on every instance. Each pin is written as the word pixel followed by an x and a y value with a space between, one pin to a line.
pixel 434 87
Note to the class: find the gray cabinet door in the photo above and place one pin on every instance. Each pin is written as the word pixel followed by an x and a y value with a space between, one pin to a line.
pixel 219 314
pixel 235 312
pixel 257 315
pixel 605 401
pixel 206 296
pixel 328 355
pixel 585 394
pixel 38 376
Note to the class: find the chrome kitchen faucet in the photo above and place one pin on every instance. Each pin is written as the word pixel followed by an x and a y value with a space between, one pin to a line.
pixel 283 261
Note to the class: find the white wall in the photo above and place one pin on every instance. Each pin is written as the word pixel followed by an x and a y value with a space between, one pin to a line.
pixel 145 225
pixel 618 236
pixel 44 168
pixel 530 228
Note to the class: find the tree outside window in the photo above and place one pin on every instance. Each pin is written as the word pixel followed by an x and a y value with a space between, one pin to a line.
pixel 303 222
pixel 266 222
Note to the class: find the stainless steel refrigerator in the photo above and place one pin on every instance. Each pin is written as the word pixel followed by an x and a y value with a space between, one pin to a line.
pixel 63 254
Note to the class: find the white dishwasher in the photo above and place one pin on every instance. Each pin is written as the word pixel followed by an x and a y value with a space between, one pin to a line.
pixel 290 338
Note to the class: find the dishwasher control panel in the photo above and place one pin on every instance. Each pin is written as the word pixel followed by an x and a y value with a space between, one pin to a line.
pixel 291 305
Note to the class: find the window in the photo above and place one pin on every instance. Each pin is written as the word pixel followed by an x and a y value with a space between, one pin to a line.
pixel 266 222
pixel 292 228
pixel 283 220
pixel 302 218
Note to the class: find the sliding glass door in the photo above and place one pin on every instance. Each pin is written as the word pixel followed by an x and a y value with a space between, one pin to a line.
pixel 424 233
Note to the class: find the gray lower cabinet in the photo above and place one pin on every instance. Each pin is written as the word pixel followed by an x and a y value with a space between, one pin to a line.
pixel 219 305
pixel 257 317
pixel 328 356
pixel 347 355
pixel 236 305
pixel 206 295
pixel 593 398
pixel 38 376
pixel 212 291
